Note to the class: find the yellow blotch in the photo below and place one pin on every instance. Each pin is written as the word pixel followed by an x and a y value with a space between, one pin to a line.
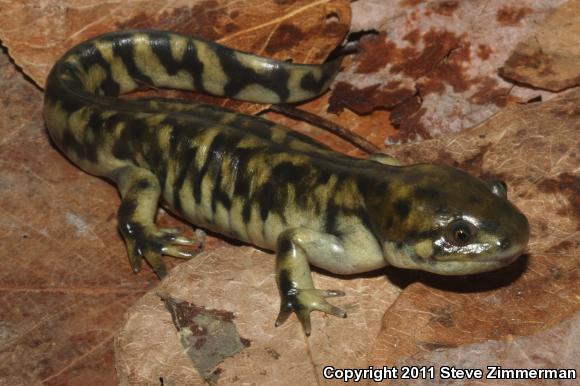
pixel 140 159
pixel 424 248
pixel 278 134
pixel 257 93
pixel 214 78
pixel 237 224
pixel 149 64
pixel 400 189
pixel 256 63
pixel 272 229
pixel 204 141
pixel 347 195
pixel 105 153
pixel 113 137
pixel 78 122
pixel 72 59
pixel 119 72
pixel 297 93
pixel 295 159
pixel 188 205
pixel 221 217
pixel 321 193
pixel 55 118
pixel 75 62
pixel 250 142
pixel 94 77
pixel 164 136
pixel 178 46
pixel 153 120
pixel 229 174
pixel 227 117
pixel 261 170
pixel 255 227
pixel 207 188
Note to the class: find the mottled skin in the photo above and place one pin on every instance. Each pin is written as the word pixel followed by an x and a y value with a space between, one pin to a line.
pixel 257 181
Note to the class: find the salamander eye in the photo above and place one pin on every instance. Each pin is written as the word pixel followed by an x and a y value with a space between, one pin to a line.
pixel 460 233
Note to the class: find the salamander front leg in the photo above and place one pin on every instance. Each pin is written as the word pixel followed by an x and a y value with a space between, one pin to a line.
pixel 294 279
pixel 140 191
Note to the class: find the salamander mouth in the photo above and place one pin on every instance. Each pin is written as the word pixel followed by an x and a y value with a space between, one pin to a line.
pixel 453 265
pixel 506 257
pixel 464 267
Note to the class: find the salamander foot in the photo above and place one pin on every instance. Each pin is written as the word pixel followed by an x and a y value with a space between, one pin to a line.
pixel 150 242
pixel 304 301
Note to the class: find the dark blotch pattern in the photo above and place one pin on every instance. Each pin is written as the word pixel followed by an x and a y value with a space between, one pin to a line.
pixel 161 46
pixel 402 209
pixel 287 289
pixel 308 82
pixel 123 48
pixel 126 211
pixel 267 200
pixel 184 155
pixel 213 160
pixel 91 56
pixel 330 220
pixel 276 79
pixel 291 173
pixel 427 193
pixel 194 66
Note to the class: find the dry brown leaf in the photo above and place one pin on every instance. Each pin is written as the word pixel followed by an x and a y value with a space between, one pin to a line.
pixel 549 59
pixel 554 348
pixel 434 63
pixel 240 280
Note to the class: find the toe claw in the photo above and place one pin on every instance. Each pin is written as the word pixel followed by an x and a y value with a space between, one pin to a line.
pixel 304 301
pixel 175 251
pixel 157 264
pixel 332 293
pixel 339 312
pixel 304 318
pixel 282 315
pixel 184 240
pixel 135 258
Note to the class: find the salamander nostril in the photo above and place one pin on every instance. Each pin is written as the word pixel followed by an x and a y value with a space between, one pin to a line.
pixel 504 243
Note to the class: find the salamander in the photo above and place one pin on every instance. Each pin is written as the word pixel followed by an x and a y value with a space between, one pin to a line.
pixel 257 181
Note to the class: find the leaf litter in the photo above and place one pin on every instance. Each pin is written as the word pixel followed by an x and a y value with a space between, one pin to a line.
pixel 436 74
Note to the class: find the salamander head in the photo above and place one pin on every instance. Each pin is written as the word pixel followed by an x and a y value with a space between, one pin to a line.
pixel 442 220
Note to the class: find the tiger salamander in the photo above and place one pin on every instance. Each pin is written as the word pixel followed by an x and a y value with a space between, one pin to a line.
pixel 257 181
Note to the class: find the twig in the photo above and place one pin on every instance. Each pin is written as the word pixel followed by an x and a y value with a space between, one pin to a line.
pixel 355 139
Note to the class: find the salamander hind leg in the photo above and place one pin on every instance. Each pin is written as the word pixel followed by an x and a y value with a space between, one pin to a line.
pixel 140 192
pixel 294 279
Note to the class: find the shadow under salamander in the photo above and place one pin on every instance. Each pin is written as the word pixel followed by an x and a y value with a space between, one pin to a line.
pixel 480 282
